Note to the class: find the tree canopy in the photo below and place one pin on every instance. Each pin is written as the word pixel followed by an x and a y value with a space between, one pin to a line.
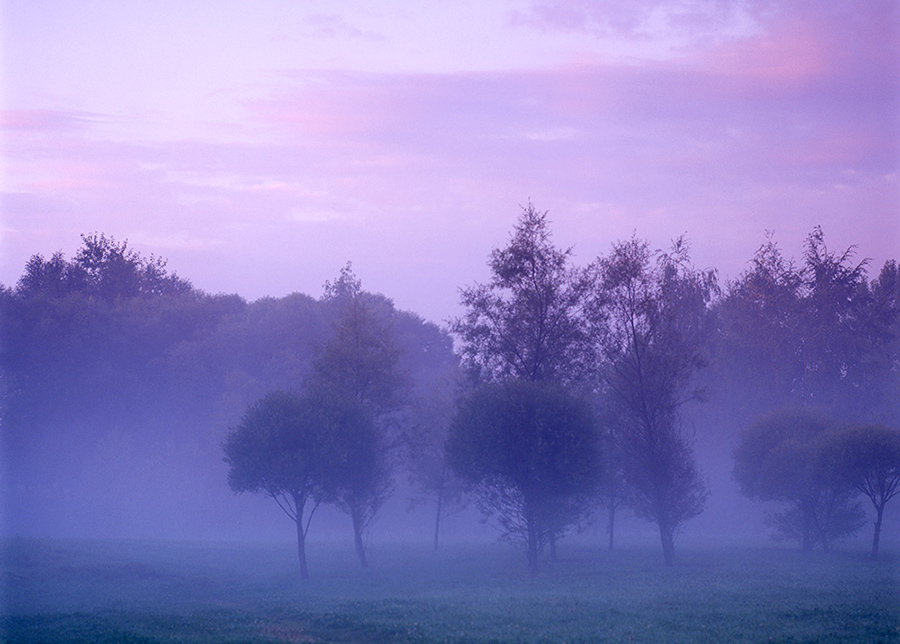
pixel 786 457
pixel 525 322
pixel 531 451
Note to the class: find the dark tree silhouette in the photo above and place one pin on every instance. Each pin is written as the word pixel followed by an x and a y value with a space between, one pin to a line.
pixel 784 457
pixel 298 450
pixel 531 452
pixel 868 457
pixel 524 323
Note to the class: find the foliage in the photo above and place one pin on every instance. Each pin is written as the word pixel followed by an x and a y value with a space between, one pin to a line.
pixel 360 364
pixel 867 457
pixel 102 268
pixel 531 452
pixel 360 361
pixel 785 457
pixel 650 321
pixel 524 323
pixel 106 386
pixel 299 449
pixel 816 335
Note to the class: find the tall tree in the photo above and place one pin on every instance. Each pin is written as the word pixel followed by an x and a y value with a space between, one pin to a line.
pixel 360 363
pixel 531 451
pixel 525 323
pixel 649 314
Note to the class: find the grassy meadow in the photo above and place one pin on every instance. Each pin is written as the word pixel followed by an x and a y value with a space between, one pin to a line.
pixel 58 591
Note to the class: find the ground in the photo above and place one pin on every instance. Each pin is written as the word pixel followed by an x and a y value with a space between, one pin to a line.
pixel 142 591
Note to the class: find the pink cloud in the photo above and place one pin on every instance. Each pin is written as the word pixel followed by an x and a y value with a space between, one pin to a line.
pixel 46 120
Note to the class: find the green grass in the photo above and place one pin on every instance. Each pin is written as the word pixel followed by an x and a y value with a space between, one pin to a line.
pixel 135 591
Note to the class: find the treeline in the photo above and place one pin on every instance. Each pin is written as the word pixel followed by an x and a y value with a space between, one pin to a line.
pixel 571 388
pixel 119 380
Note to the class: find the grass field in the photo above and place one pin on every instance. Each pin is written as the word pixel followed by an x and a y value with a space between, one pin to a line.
pixel 136 591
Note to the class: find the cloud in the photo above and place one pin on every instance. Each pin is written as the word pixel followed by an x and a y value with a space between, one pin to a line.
pixel 415 176
pixel 694 21
pixel 47 120
pixel 335 26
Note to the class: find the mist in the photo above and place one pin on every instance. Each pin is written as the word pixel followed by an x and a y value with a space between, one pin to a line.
pixel 160 442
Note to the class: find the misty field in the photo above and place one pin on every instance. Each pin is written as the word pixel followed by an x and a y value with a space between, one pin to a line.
pixel 140 591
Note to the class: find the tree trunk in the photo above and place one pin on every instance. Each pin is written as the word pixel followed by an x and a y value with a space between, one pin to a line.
pixel 667 536
pixel 301 547
pixel 879 510
pixel 533 553
pixel 437 518
pixel 807 529
pixel 358 540
pixel 611 524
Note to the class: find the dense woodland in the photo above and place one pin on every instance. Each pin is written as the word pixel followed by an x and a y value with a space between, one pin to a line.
pixel 562 395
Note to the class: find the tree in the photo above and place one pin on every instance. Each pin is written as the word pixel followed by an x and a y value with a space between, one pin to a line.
pixel 531 452
pixel 784 457
pixel 359 364
pixel 524 323
pixel 85 372
pixel 425 443
pixel 359 475
pixel 296 450
pixel 760 332
pixel 868 457
pixel 815 335
pixel 650 322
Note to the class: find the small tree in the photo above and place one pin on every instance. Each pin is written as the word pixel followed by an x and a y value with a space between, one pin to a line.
pixel 530 450
pixel 284 447
pixel 868 456
pixel 784 457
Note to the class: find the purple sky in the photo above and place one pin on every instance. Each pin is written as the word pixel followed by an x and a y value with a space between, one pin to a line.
pixel 261 145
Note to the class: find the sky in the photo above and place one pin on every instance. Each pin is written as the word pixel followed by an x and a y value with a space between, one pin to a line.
pixel 259 146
